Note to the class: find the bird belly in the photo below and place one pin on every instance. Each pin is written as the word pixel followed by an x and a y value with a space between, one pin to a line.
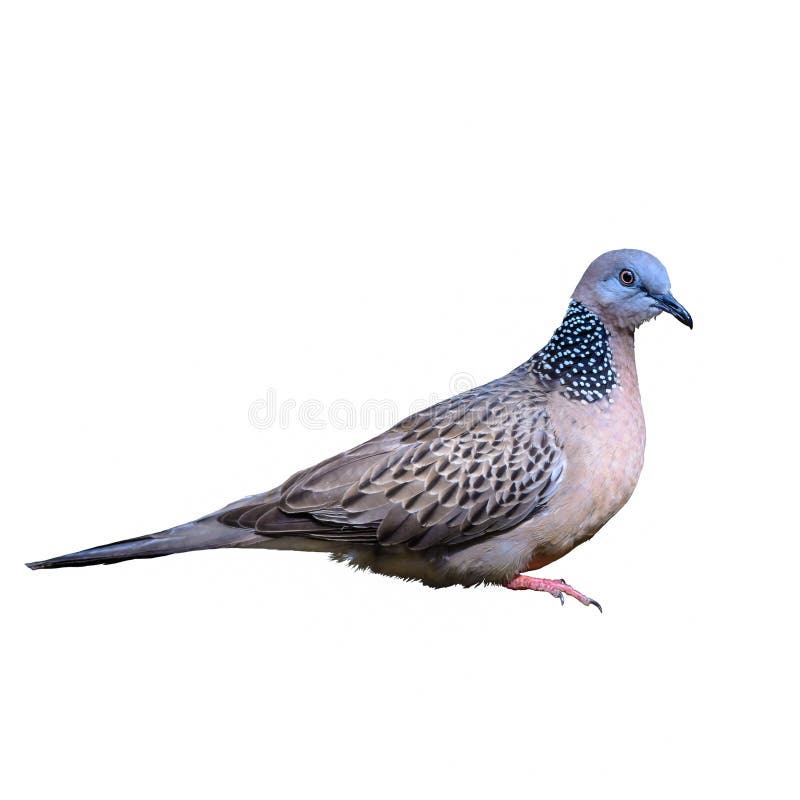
pixel 604 448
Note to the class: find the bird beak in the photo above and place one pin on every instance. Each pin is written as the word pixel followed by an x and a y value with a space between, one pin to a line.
pixel 666 302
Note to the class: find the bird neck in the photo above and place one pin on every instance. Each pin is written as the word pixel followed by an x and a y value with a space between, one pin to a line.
pixel 621 344
pixel 579 357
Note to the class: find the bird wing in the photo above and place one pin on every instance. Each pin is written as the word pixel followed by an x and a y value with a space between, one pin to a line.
pixel 476 464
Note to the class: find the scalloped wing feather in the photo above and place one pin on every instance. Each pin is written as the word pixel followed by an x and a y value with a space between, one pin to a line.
pixel 477 464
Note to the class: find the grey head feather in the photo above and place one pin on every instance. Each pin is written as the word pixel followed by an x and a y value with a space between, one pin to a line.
pixel 622 305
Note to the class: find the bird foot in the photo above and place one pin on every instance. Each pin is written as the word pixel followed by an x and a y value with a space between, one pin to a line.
pixel 557 588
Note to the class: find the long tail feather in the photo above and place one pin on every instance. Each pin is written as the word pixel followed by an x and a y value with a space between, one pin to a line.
pixel 205 534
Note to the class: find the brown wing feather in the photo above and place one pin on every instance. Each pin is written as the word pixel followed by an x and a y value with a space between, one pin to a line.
pixel 477 464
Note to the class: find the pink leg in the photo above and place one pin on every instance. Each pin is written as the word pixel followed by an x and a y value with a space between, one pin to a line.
pixel 556 588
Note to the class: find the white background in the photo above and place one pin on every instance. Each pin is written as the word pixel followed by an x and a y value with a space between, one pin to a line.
pixel 205 201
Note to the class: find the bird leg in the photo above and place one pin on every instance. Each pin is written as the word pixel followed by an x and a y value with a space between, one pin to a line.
pixel 557 588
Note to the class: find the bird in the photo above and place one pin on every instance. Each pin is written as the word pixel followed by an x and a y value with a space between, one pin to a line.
pixel 481 488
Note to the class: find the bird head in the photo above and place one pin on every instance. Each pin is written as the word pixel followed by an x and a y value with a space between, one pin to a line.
pixel 628 287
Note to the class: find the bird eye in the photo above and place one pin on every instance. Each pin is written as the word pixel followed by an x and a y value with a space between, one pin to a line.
pixel 626 277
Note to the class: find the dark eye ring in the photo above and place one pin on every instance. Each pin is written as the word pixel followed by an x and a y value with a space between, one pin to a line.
pixel 626 277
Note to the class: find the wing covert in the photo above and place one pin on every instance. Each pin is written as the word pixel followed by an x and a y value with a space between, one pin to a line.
pixel 474 465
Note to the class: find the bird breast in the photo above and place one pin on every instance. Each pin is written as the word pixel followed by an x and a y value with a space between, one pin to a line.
pixel 604 452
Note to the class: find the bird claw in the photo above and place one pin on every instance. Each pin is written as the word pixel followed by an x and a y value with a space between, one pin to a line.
pixel 557 589
pixel 558 595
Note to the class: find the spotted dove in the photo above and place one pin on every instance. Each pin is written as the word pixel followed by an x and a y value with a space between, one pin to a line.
pixel 480 488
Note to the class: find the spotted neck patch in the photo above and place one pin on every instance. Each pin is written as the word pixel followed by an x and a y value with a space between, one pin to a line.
pixel 578 356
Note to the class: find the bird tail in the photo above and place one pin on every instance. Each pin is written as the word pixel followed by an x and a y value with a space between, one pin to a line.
pixel 204 534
